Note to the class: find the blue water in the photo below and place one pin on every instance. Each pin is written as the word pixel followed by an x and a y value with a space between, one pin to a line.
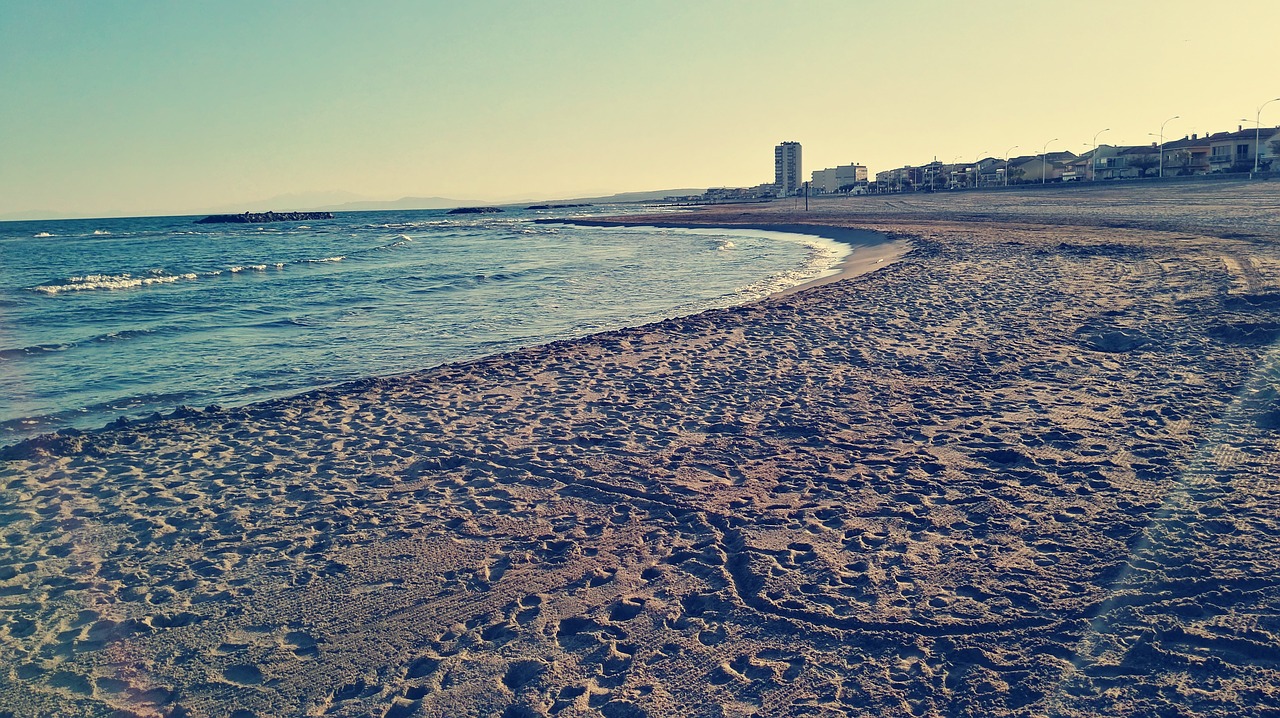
pixel 111 317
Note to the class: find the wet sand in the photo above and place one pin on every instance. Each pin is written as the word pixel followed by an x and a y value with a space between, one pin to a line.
pixel 1027 469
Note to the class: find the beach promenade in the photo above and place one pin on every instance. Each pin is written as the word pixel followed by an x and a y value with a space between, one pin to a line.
pixel 1025 469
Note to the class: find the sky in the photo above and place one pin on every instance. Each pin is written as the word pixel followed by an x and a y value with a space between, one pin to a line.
pixel 142 107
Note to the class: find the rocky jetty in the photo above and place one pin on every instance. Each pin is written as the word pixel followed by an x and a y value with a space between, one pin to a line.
pixel 261 217
pixel 475 210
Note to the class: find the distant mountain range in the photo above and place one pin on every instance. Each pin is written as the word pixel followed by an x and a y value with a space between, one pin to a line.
pixel 366 205
pixel 348 202
pixel 448 203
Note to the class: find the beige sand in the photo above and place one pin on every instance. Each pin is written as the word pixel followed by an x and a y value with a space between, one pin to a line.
pixel 1027 469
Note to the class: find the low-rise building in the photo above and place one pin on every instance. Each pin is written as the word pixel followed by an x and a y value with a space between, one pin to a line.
pixel 839 179
pixel 1040 168
pixel 902 179
pixel 767 190
pixel 850 176
pixel 1187 156
pixel 1235 151
pixel 984 172
pixel 824 181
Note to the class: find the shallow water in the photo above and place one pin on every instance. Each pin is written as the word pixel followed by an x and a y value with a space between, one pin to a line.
pixel 125 317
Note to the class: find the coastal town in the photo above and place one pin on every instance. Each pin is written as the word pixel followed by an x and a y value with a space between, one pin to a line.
pixel 1231 153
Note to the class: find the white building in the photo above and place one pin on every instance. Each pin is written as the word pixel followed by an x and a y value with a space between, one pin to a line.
pixel 824 181
pixel 833 179
pixel 851 176
pixel 787 172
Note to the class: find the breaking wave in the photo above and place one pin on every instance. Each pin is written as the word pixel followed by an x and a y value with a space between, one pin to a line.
pixel 113 281
pixel 820 261
pixel 35 350
pixel 127 280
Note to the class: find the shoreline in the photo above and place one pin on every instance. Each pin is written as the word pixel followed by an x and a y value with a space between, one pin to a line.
pixel 1033 459
pixel 870 251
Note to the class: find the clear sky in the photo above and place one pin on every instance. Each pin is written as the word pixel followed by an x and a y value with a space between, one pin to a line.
pixel 167 107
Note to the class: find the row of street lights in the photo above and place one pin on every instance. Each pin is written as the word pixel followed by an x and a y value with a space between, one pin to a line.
pixel 1093 163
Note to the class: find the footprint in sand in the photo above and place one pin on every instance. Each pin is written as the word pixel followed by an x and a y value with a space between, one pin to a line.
pixel 302 644
pixel 523 673
pixel 626 609
pixel 530 609
pixel 243 674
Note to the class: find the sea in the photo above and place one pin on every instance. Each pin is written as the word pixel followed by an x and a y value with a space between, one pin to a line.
pixel 105 318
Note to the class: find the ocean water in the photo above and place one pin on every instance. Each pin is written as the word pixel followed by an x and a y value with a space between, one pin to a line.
pixel 126 317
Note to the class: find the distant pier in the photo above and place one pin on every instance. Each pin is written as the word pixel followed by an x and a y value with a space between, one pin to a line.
pixel 261 217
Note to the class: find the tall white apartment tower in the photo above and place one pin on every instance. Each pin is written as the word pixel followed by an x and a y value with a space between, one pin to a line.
pixel 786 168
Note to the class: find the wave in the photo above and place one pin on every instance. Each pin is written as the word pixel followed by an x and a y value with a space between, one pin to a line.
pixel 112 281
pixel 401 240
pixel 482 278
pixel 100 232
pixel 127 280
pixel 412 225
pixel 819 260
pixel 122 335
pixel 35 350
pixel 41 234
pixel 283 323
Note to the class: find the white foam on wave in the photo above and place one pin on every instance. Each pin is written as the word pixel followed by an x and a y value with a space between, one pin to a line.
pixel 112 281
pixel 821 260
pixel 101 232
pixel 42 234
pixel 401 240
pixel 338 258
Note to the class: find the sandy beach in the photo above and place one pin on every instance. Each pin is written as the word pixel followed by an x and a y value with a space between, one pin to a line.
pixel 1024 467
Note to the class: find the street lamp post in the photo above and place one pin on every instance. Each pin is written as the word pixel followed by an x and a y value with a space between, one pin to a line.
pixel 1257 134
pixel 1006 164
pixel 1093 158
pixel 977 170
pixel 1162 124
pixel 1044 159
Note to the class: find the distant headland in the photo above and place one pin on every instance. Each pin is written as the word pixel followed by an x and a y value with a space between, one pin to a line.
pixel 260 217
pixel 475 210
